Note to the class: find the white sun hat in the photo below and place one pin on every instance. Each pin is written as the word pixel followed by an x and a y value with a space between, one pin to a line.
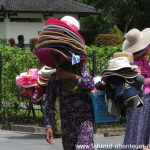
pixel 136 40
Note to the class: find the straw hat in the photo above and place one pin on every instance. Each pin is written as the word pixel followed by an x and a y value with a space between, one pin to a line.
pixel 46 71
pixel 118 63
pixel 45 56
pixel 44 75
pixel 119 66
pixel 136 40
pixel 124 54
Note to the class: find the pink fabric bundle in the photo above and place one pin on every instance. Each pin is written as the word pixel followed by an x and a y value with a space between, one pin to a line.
pixel 143 64
pixel 27 79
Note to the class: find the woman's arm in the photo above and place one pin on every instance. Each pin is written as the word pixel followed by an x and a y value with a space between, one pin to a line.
pixel 49 105
pixel 85 81
pixel 49 111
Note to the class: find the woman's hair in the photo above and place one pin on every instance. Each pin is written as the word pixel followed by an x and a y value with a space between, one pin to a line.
pixel 11 42
pixel 20 38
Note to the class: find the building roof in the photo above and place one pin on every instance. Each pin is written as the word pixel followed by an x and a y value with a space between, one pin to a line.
pixel 49 6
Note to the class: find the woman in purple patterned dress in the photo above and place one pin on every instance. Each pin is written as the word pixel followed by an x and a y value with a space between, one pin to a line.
pixel 75 106
pixel 138 119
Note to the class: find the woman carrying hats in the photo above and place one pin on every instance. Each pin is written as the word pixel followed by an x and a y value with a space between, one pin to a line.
pixel 71 83
pixel 138 119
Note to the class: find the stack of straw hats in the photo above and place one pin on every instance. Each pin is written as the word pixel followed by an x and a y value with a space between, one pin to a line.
pixel 62 37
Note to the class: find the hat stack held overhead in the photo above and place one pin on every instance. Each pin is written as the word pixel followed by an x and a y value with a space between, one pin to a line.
pixel 61 37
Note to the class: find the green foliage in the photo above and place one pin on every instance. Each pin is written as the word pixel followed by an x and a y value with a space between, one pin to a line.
pixel 13 62
pixel 2 41
pixel 103 54
pixel 116 30
pixel 126 14
pixel 108 39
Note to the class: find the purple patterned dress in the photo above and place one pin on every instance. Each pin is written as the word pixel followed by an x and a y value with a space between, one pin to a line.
pixel 75 111
pixel 138 119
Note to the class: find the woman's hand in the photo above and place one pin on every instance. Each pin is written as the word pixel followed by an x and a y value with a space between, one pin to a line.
pixel 49 135
pixel 67 75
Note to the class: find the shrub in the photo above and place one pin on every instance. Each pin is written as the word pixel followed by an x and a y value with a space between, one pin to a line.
pixel 109 39
pixel 103 54
pixel 116 30
pixel 13 61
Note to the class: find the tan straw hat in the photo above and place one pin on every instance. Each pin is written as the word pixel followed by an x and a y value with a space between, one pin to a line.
pixel 125 54
pixel 118 63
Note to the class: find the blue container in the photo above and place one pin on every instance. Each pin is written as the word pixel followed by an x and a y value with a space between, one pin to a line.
pixel 100 108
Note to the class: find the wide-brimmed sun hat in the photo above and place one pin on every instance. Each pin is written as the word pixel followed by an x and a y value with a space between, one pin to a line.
pixel 136 40
pixel 45 56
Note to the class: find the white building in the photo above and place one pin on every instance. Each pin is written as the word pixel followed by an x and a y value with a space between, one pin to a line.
pixel 25 17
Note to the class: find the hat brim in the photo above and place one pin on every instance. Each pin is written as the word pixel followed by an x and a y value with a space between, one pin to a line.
pixel 122 73
pixel 45 56
pixel 45 72
pixel 43 78
pixel 69 43
pixel 42 82
pixel 28 86
pixel 55 21
pixel 140 53
pixel 117 68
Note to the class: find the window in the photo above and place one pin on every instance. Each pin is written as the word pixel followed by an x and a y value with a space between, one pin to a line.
pixel 1 19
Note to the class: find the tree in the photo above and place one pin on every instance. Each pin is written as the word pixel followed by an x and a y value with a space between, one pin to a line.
pixel 95 24
pixel 127 14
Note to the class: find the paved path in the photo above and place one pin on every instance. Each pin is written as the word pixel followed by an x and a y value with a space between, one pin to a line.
pixel 10 140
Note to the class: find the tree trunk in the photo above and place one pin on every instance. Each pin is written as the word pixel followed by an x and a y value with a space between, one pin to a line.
pixel 128 24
